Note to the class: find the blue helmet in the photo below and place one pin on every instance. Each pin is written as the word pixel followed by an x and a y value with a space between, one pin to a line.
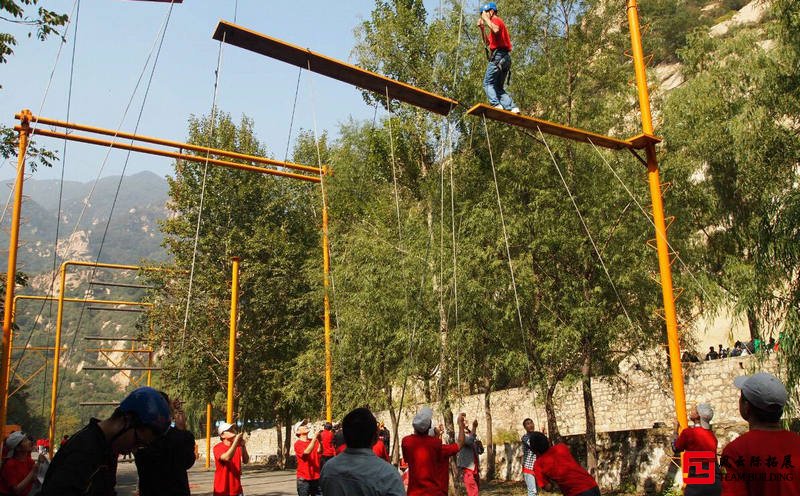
pixel 150 407
pixel 489 6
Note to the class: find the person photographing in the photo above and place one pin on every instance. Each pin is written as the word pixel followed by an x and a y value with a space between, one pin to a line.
pixel 496 38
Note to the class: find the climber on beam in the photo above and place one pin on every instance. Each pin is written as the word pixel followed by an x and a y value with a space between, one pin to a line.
pixel 499 55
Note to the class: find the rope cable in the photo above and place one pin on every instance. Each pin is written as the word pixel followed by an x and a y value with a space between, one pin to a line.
pixel 586 228
pixel 160 41
pixel 650 219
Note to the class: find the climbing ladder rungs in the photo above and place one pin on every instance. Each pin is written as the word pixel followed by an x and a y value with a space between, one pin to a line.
pixel 559 130
pixel 336 69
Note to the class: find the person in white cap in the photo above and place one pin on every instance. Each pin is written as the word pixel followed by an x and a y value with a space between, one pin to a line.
pixel 19 470
pixel 229 455
pixel 426 456
pixel 700 438
pixel 308 452
pixel 765 461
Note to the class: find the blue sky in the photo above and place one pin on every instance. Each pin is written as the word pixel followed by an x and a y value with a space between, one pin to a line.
pixel 114 39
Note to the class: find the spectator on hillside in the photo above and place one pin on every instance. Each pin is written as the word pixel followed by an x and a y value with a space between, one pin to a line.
pixel 19 470
pixel 766 459
pixel 712 353
pixel 357 471
pixel 467 460
pixel 528 457
pixel 87 465
pixel 162 466
pixel 326 439
pixel 723 353
pixel 556 464
pixel 308 452
pixel 427 457
pixel 229 455
pixel 700 438
pixel 771 344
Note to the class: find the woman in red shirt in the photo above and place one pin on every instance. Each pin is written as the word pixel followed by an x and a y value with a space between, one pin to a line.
pixel 19 470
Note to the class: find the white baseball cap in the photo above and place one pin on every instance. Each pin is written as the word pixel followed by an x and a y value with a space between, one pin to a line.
pixel 224 426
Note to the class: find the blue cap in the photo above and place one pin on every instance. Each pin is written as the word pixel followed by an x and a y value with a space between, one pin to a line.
pixel 150 407
pixel 489 6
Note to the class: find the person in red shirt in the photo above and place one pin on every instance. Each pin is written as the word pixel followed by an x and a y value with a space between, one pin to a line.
pixel 19 470
pixel 326 439
pixel 308 452
pixel 766 459
pixel 495 36
pixel 427 457
pixel 700 438
pixel 555 463
pixel 380 449
pixel 229 454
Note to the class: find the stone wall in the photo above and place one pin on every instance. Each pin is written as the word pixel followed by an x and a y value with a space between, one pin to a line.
pixel 634 415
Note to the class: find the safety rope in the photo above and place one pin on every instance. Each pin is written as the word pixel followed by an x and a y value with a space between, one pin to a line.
pixel 650 219
pixel 160 40
pixel 508 249
pixel 202 196
pixel 585 228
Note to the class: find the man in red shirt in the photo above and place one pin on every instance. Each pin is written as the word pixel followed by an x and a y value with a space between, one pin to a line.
pixel 700 437
pixel 495 36
pixel 428 473
pixel 326 439
pixel 19 470
pixel 308 452
pixel 555 463
pixel 766 459
pixel 229 454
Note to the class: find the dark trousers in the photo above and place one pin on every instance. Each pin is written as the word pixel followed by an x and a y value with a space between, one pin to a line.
pixel 595 491
pixel 308 487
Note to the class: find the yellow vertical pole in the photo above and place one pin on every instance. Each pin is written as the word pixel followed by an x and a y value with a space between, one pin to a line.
pixel 232 339
pixel 11 273
pixel 208 435
pixel 326 267
pixel 658 218
pixel 57 353
pixel 149 367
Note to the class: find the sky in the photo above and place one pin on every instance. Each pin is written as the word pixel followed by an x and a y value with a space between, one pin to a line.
pixel 113 41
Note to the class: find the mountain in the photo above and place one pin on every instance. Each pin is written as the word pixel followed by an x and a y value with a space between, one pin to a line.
pixel 133 233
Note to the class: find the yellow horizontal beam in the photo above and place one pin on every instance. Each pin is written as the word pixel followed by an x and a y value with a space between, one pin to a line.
pixel 304 58
pixel 172 144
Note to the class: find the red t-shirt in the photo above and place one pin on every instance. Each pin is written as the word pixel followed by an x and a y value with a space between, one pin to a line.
pixel 307 464
pixel 228 475
pixel 380 450
pixel 341 448
pixel 558 465
pixel 327 443
pixel 500 39
pixel 763 463
pixel 696 439
pixel 427 464
pixel 13 472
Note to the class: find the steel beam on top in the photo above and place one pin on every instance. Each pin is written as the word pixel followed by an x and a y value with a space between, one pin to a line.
pixel 572 133
pixel 302 57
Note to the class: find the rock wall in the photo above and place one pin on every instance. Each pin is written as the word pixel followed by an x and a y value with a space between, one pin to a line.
pixel 634 414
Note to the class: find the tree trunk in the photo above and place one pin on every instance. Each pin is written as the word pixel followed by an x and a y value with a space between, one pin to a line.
pixel 588 407
pixel 281 454
pixel 489 445
pixel 287 439
pixel 550 409
pixel 394 441
pixel 449 427
pixel 753 324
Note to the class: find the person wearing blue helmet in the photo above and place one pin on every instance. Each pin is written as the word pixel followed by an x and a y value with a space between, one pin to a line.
pixel 87 465
pixel 496 38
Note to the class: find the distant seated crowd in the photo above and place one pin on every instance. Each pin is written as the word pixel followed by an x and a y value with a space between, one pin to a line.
pixel 740 348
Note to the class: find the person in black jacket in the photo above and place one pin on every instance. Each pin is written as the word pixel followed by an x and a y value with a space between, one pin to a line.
pixel 87 464
pixel 163 464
